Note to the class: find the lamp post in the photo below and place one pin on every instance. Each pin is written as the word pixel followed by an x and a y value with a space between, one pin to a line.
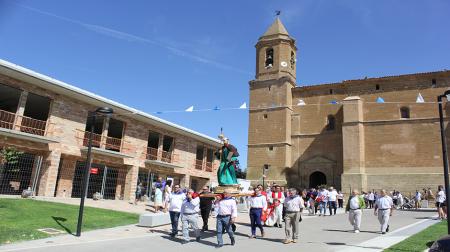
pixel 444 154
pixel 265 168
pixel 92 115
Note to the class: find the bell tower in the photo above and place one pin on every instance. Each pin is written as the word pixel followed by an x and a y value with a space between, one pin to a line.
pixel 269 134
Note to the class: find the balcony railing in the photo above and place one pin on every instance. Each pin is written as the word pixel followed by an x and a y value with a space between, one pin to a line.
pixel 25 124
pixel 110 143
pixel 199 164
pixel 164 156
pixel 167 156
pixel 152 153
pixel 209 167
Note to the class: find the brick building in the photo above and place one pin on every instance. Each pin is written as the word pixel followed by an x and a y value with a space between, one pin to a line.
pixel 47 120
pixel 337 134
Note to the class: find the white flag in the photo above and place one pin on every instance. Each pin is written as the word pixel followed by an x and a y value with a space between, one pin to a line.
pixel 420 99
pixel 190 109
pixel 301 103
pixel 243 106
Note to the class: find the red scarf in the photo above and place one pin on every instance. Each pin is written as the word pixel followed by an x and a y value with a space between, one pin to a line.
pixel 279 195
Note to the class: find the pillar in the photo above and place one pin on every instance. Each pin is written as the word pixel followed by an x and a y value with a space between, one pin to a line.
pixel 131 182
pixel 354 175
pixel 49 173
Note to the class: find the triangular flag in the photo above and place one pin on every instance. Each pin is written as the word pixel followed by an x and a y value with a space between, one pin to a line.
pixel 420 99
pixel 301 103
pixel 216 108
pixel 380 100
pixel 190 109
pixel 333 102
pixel 243 106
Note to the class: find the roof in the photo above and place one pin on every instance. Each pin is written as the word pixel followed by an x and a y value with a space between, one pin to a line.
pixel 327 85
pixel 276 28
pixel 48 83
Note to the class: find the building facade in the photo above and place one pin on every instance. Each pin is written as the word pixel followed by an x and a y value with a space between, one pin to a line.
pixel 47 122
pixel 367 134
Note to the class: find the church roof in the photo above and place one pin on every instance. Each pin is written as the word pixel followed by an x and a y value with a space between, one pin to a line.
pixel 276 28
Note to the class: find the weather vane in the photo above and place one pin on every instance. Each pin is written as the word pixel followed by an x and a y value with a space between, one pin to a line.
pixel 277 13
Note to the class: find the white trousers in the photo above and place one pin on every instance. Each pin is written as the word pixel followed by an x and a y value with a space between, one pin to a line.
pixel 383 218
pixel 279 214
pixel 354 216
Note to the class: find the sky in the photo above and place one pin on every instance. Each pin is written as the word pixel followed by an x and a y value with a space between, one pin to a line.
pixel 159 56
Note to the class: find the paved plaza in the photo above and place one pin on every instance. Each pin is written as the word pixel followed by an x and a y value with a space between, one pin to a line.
pixel 329 233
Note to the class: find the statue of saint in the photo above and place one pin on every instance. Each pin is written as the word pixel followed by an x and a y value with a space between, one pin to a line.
pixel 226 174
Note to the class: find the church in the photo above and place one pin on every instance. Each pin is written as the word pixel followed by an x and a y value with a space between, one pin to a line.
pixel 364 134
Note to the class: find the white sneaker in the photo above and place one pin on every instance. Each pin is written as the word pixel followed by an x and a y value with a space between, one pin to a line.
pixel 356 231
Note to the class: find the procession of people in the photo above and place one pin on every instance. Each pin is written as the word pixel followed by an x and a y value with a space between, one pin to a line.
pixel 271 205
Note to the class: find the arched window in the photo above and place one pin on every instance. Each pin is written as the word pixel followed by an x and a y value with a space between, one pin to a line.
pixel 269 58
pixel 377 87
pixel 404 112
pixel 331 122
pixel 433 83
pixel 292 60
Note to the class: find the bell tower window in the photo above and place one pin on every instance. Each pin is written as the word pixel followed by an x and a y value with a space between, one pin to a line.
pixel 269 58
pixel 292 60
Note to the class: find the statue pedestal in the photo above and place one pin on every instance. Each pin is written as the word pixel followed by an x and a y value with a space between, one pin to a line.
pixel 234 189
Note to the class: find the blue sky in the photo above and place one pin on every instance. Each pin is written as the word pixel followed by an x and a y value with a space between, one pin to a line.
pixel 161 56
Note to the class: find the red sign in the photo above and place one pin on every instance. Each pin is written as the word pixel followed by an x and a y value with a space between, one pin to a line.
pixel 94 171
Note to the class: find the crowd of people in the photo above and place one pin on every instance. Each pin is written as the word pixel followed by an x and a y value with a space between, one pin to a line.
pixel 274 206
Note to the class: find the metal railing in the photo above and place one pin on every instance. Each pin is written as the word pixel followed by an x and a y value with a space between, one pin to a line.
pixel 164 156
pixel 198 164
pixel 25 124
pixel 167 156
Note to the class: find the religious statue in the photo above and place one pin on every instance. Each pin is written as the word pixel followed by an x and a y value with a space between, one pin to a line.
pixel 227 154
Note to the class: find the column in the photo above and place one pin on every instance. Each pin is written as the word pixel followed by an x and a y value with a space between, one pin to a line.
pixel 49 173
pixel 131 182
pixel 20 110
pixel 353 176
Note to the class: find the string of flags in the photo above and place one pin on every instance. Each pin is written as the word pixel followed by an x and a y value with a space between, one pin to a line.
pixel 300 102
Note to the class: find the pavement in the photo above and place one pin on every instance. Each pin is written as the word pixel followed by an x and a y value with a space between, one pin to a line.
pixel 325 233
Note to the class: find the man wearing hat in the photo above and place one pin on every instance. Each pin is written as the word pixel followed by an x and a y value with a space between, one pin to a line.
pixel 226 215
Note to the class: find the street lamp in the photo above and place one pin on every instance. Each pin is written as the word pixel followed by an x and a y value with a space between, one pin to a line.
pixel 444 154
pixel 265 168
pixel 92 115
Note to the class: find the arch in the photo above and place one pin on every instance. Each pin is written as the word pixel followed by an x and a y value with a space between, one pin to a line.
pixel 317 178
pixel 269 58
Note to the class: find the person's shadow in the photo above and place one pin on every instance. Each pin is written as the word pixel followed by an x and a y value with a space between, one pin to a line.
pixel 59 221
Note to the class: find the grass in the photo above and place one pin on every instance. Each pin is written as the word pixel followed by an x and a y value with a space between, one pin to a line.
pixel 20 219
pixel 422 240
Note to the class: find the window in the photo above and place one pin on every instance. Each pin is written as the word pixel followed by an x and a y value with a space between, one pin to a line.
pixel 292 60
pixel 331 122
pixel 404 112
pixel 271 148
pixel 331 91
pixel 433 83
pixel 269 58
pixel 167 143
pixel 377 87
pixel 9 98
pixel 265 116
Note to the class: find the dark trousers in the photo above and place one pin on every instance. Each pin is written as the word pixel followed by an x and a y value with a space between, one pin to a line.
pixel 205 216
pixel 174 216
pixel 371 203
pixel 255 220
pixel 332 205
pixel 341 203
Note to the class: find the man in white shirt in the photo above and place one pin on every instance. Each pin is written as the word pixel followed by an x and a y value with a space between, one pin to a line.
pixel 277 195
pixel 226 215
pixel 332 200
pixel 354 206
pixel 173 203
pixel 189 215
pixel 371 199
pixel 441 199
pixel 384 207
pixel 294 205
pixel 258 204
pixel 417 198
